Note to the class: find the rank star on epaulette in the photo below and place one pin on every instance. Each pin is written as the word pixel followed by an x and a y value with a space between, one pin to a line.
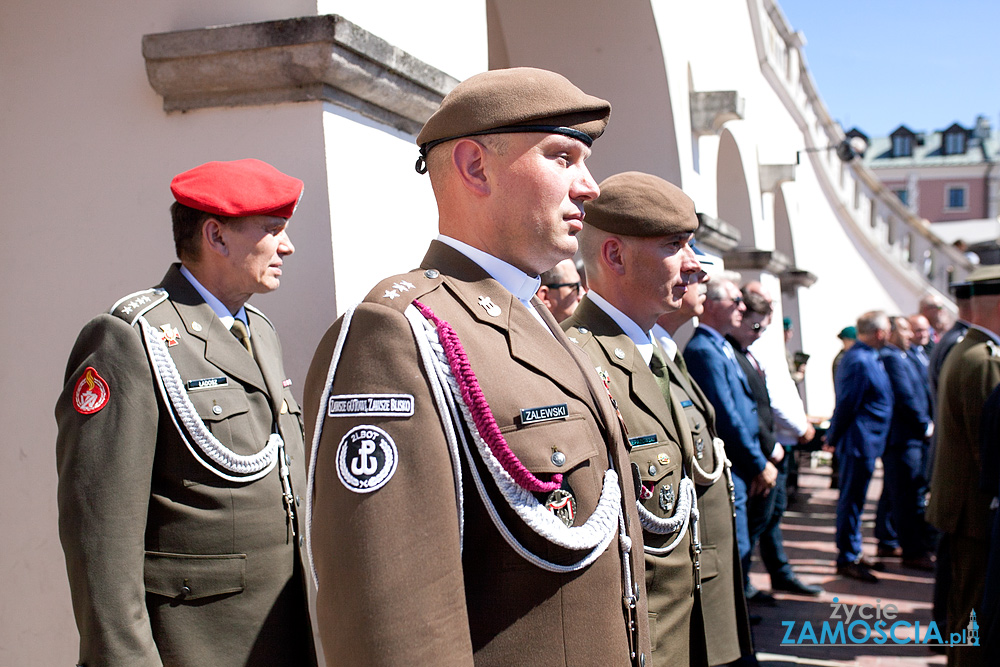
pixel 135 303
pixel 390 294
pixel 402 286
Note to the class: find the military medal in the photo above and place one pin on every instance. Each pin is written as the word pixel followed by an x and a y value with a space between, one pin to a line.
pixel 646 491
pixel 170 335
pixel 667 498
pixel 562 503
pixel 663 459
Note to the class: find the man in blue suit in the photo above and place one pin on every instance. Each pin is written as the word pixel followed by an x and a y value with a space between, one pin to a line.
pixel 858 429
pixel 712 363
pixel 909 430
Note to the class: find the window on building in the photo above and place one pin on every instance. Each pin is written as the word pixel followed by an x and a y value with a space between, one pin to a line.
pixel 956 197
pixel 902 145
pixel 903 195
pixel 954 143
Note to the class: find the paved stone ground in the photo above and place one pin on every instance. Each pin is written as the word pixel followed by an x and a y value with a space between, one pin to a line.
pixel 808 529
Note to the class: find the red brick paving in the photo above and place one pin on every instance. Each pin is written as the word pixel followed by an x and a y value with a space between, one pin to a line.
pixel 808 529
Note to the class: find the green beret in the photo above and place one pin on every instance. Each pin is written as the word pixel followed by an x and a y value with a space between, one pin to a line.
pixel 848 332
pixel 984 280
pixel 520 99
pixel 637 204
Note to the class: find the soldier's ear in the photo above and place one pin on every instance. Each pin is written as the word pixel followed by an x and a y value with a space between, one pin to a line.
pixel 470 161
pixel 213 238
pixel 613 254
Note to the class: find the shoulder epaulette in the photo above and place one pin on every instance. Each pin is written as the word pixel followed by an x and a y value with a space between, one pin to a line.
pixel 400 291
pixel 579 335
pixel 133 306
pixel 255 310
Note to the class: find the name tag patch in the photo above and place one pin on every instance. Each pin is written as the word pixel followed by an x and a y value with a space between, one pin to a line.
pixel 686 404
pixel 371 405
pixel 204 383
pixel 544 413
pixel 642 440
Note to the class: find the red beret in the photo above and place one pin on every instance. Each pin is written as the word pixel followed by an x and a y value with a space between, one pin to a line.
pixel 238 189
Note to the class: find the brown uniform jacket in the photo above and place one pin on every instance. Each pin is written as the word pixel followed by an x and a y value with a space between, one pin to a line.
pixel 168 563
pixel 970 373
pixel 661 447
pixel 395 588
pixel 723 605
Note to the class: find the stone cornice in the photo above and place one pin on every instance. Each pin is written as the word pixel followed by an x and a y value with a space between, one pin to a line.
pixel 325 58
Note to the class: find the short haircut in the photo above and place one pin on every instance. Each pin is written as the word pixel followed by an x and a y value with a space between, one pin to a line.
pixel 894 322
pixel 714 289
pixel 872 321
pixel 756 303
pixel 553 276
pixel 187 223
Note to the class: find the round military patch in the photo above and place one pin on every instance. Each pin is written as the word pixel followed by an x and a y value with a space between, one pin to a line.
pixel 366 459
pixel 91 392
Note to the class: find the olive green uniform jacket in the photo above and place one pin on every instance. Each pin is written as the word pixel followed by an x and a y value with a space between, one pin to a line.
pixel 661 447
pixel 723 605
pixel 395 585
pixel 169 563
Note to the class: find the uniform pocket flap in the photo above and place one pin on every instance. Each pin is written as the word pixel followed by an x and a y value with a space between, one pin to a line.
pixel 293 407
pixel 218 404
pixel 553 446
pixel 655 461
pixel 190 576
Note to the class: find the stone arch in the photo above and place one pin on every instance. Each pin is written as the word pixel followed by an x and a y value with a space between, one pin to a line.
pixel 736 179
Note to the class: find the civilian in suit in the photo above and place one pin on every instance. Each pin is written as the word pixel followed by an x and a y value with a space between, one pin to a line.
pixel 634 245
pixel 712 363
pixel 903 460
pixel 789 426
pixel 858 429
pixel 920 344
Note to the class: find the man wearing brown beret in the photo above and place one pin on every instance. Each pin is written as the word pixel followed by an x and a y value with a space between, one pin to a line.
pixel 180 450
pixel 471 500
pixel 635 249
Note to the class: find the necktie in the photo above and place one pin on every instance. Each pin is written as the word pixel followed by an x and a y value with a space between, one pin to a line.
pixel 679 360
pixel 660 372
pixel 239 330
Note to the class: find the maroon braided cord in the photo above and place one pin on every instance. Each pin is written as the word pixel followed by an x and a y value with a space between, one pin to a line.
pixel 473 396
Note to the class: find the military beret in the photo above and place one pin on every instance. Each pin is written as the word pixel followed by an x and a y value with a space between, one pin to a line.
pixel 238 189
pixel 637 204
pixel 984 280
pixel 848 332
pixel 519 99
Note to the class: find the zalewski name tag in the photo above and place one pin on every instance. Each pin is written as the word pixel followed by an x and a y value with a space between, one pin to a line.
pixel 371 405
pixel 544 413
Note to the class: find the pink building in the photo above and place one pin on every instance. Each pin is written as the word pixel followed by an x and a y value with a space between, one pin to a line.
pixel 949 177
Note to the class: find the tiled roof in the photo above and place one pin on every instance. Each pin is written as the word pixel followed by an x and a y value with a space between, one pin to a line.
pixel 978 151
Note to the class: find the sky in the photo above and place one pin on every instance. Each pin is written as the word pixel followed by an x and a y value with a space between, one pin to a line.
pixel 879 64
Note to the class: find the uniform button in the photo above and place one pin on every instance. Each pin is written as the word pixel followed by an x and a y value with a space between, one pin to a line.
pixel 620 353
pixel 185 591
pixel 217 409
pixel 298 500
pixel 432 273
pixel 642 660
pixel 301 540
pixel 584 329
pixel 288 460
pixel 558 458
pixel 652 470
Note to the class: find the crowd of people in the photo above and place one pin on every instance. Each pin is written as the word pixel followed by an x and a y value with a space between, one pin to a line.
pixel 503 456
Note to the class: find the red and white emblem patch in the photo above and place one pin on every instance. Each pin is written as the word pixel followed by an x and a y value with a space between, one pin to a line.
pixel 91 393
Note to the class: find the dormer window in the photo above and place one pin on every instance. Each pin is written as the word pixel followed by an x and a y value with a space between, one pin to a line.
pixel 954 140
pixel 902 142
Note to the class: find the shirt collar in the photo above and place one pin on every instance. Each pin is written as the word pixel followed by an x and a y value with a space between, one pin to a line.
pixel 665 341
pixel 217 306
pixel 641 338
pixel 514 280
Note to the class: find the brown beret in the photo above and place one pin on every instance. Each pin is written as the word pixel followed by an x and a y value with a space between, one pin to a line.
pixel 637 204
pixel 237 189
pixel 520 99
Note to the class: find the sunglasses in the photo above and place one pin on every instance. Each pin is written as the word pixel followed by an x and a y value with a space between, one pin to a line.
pixel 576 286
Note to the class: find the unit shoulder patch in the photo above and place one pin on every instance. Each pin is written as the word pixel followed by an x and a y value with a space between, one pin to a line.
pixel 366 459
pixel 91 392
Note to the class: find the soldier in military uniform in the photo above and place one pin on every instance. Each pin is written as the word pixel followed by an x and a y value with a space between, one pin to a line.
pixel 635 249
pixel 723 604
pixel 180 448
pixel 958 507
pixel 471 499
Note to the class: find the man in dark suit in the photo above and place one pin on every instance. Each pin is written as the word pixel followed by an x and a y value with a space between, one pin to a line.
pixel 458 435
pixel 634 245
pixel 858 429
pixel 180 447
pixel 712 363
pixel 903 460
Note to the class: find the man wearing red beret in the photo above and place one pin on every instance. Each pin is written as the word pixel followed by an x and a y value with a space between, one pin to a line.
pixel 180 452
